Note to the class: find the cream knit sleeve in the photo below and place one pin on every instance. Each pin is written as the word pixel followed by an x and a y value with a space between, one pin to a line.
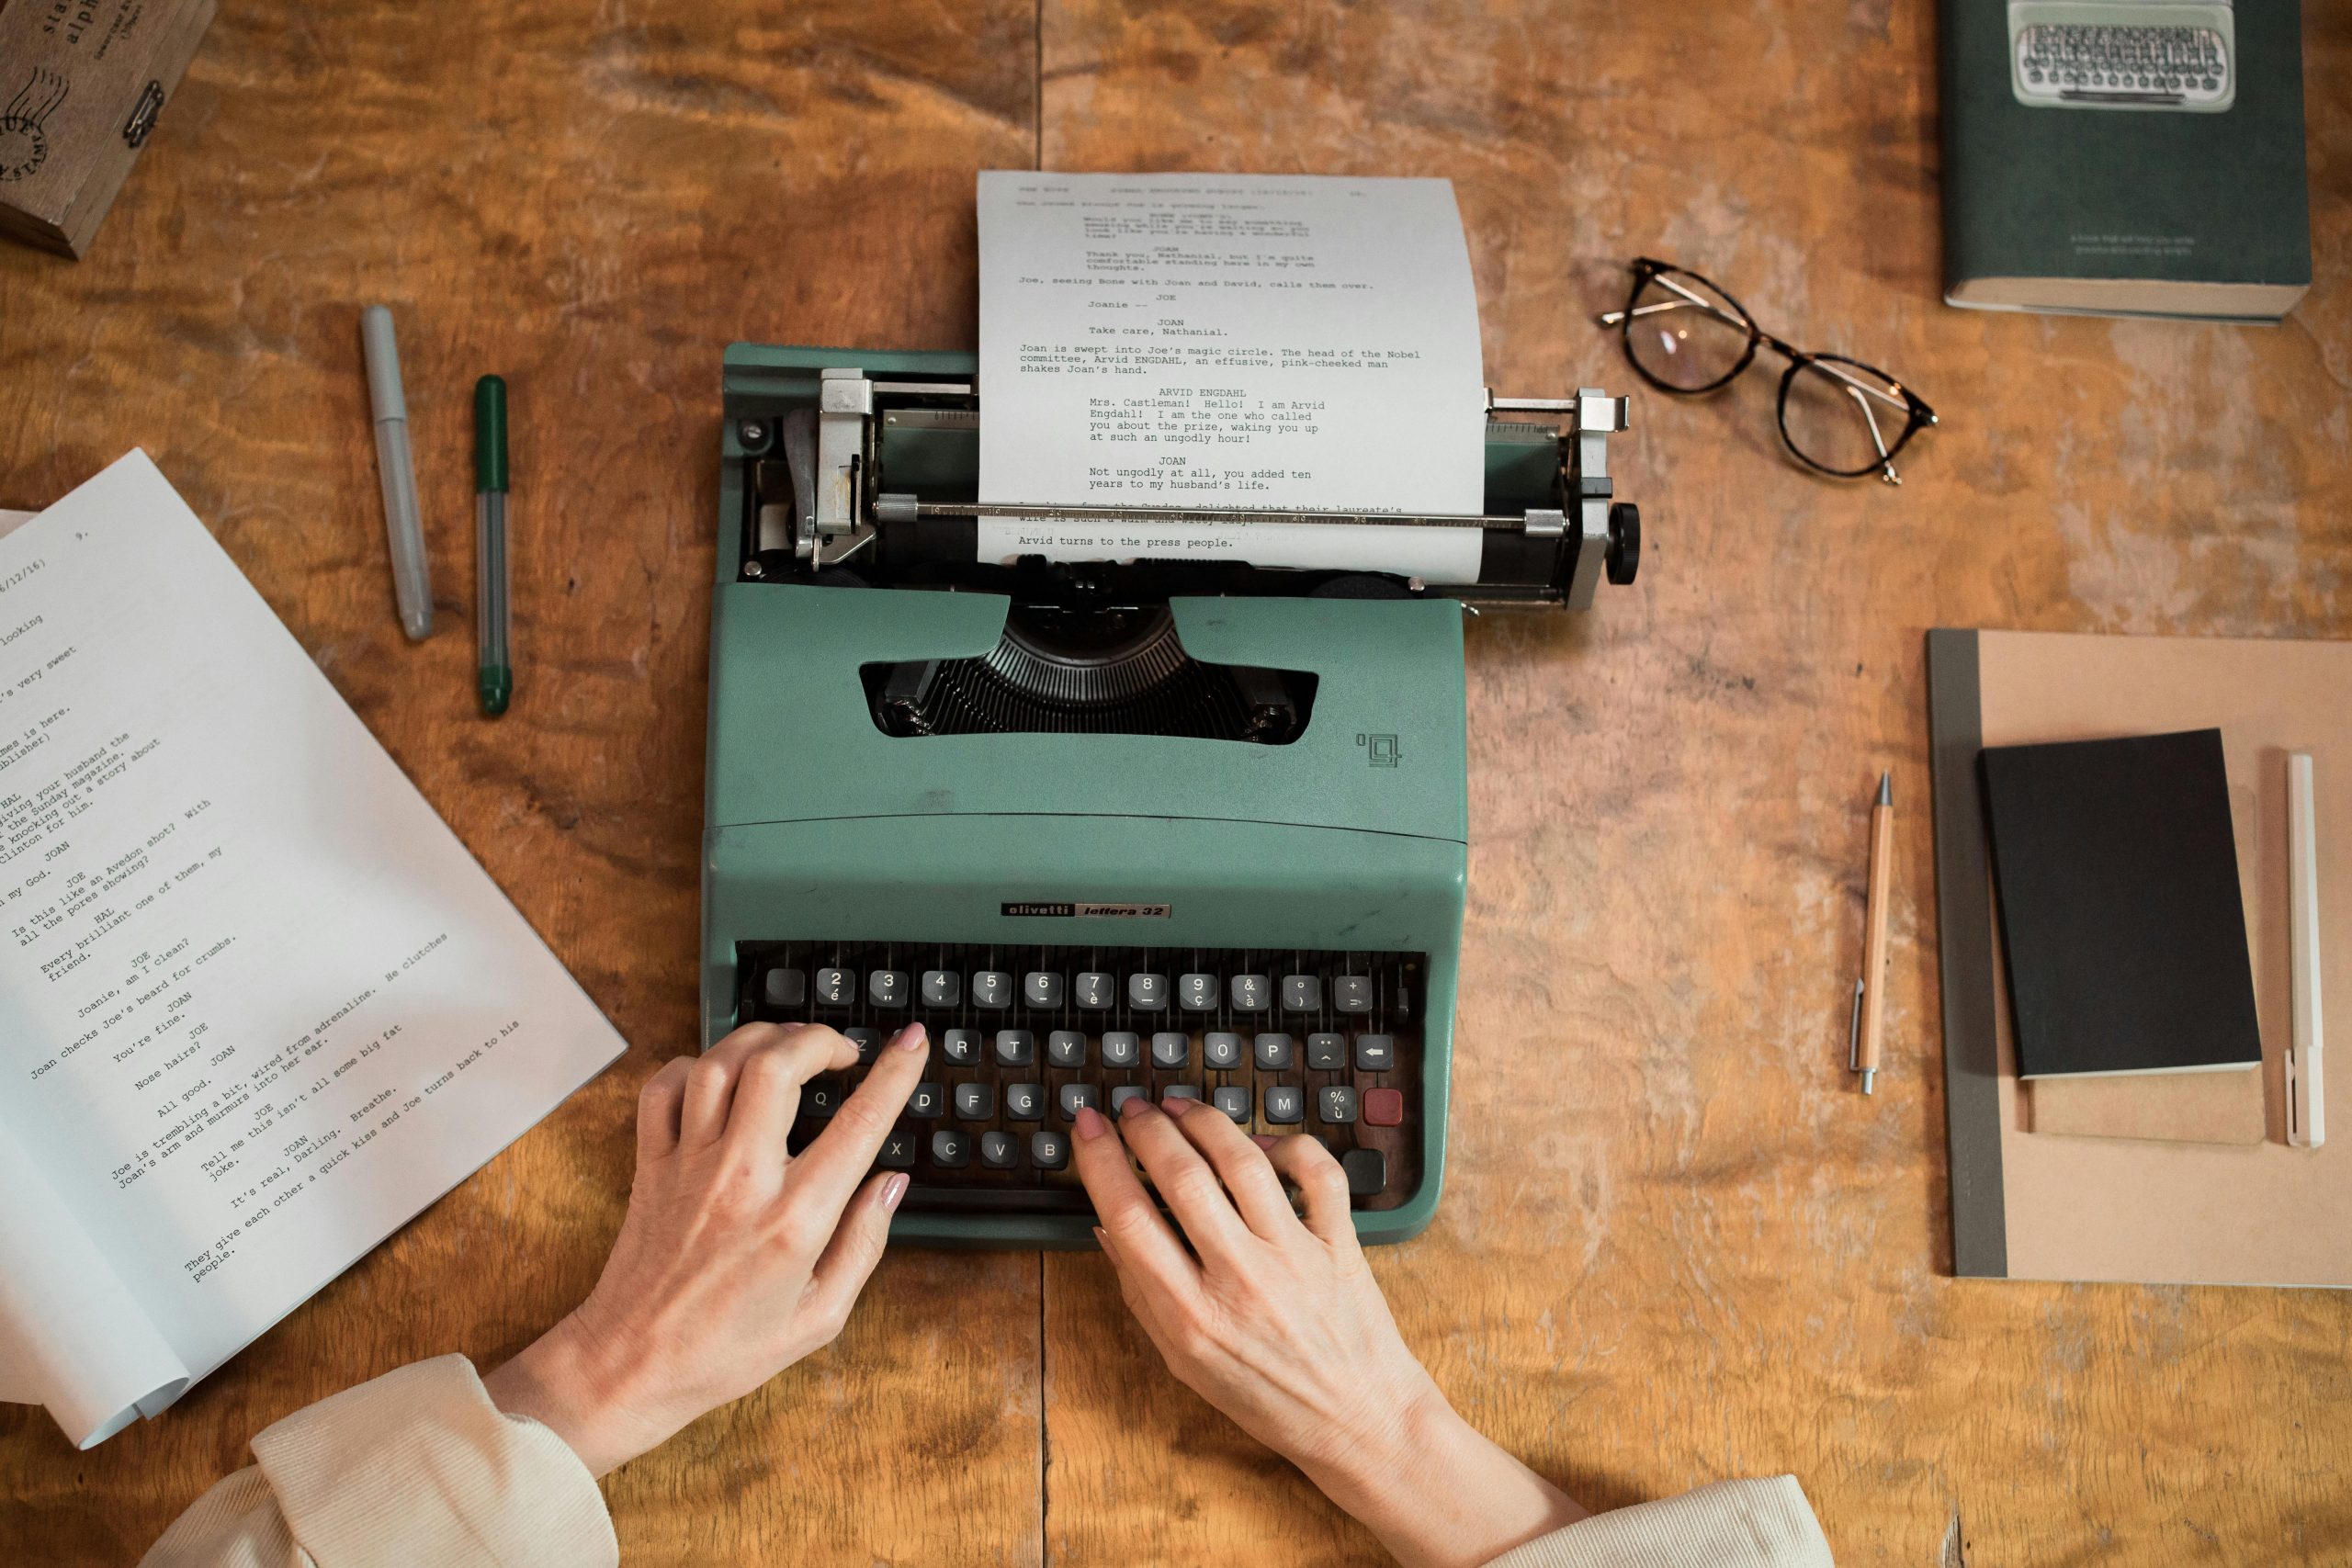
pixel 416 1467
pixel 1733 1524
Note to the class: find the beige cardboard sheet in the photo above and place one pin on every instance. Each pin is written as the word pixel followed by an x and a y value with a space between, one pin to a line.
pixel 2081 1208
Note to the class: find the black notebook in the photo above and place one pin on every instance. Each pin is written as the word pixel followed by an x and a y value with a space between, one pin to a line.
pixel 2123 928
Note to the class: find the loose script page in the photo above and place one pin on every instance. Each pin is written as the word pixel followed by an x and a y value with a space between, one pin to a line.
pixel 1231 340
pixel 258 1006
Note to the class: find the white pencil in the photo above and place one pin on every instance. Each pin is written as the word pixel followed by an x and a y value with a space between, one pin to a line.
pixel 2306 1094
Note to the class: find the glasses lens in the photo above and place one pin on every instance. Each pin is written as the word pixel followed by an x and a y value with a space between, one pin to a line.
pixel 1842 417
pixel 1685 335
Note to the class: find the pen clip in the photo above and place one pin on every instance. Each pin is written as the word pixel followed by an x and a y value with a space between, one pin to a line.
pixel 1854 1033
pixel 2295 1091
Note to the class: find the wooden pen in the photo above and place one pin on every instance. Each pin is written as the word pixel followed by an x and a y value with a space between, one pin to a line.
pixel 1870 991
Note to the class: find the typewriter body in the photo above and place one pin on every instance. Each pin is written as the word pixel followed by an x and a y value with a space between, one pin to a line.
pixel 1157 826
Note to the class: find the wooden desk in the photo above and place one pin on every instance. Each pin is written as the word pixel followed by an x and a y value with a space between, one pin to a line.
pixel 1676 1245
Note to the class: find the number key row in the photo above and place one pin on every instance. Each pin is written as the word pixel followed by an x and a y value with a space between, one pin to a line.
pixel 1094 990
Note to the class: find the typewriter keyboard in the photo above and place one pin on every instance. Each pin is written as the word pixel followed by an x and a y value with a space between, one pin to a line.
pixel 2139 64
pixel 1317 1044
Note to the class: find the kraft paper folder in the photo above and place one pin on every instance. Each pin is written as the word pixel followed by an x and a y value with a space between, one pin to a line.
pixel 2039 1205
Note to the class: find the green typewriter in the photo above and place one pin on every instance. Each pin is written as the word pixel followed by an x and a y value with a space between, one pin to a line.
pixel 1143 826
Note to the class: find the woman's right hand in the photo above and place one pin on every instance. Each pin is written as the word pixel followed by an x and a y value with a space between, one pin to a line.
pixel 1279 1324
pixel 735 1258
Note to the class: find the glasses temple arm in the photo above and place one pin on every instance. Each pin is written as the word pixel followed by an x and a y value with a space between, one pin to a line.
pixel 1885 459
pixel 1861 388
pixel 1688 299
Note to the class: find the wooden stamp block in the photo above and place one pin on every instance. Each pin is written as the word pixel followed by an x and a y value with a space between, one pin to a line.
pixel 81 83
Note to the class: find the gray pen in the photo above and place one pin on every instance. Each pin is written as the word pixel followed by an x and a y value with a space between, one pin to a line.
pixel 412 579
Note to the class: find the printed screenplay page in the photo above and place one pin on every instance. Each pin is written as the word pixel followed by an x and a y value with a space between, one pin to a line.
pixel 1156 340
pixel 258 1006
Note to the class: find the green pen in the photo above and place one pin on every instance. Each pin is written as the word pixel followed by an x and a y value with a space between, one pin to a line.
pixel 495 679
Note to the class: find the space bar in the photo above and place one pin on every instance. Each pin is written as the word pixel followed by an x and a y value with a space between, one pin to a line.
pixel 998 1199
pixel 2099 95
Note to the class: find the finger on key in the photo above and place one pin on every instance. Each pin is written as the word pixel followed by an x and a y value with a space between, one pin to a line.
pixel 1149 1258
pixel 848 1261
pixel 1306 1164
pixel 657 1110
pixel 1186 1184
pixel 1146 1302
pixel 1241 1166
pixel 832 1165
pixel 710 1082
pixel 768 1084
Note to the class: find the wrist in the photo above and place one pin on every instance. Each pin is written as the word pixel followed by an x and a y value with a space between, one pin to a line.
pixel 1439 1493
pixel 1366 1465
pixel 570 1380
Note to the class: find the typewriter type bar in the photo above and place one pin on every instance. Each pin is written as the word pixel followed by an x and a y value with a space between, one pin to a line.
pixel 1284 1041
pixel 880 481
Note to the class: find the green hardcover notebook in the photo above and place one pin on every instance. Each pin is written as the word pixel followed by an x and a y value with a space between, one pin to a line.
pixel 2125 157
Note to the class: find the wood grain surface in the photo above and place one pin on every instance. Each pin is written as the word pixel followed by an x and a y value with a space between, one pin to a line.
pixel 1676 1245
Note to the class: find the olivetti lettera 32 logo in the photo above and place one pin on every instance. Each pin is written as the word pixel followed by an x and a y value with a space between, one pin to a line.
pixel 1380 751
pixel 24 146
pixel 1055 909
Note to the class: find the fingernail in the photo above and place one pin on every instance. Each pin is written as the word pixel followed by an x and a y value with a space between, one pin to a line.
pixel 1101 1240
pixel 1263 1139
pixel 1177 1104
pixel 1091 1124
pixel 892 1191
pixel 1135 1106
pixel 911 1038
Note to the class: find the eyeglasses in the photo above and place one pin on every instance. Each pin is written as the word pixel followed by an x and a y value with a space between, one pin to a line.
pixel 1685 335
